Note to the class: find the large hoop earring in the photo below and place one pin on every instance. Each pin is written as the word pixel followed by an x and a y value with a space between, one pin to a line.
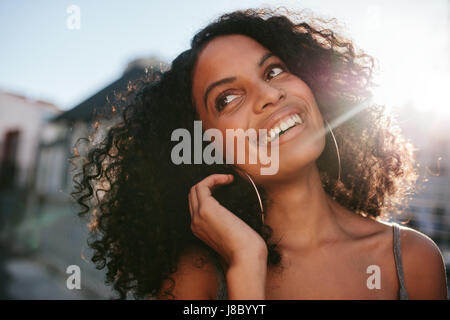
pixel 337 151
pixel 259 197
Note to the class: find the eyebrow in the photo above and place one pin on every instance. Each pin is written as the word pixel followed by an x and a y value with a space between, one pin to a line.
pixel 231 79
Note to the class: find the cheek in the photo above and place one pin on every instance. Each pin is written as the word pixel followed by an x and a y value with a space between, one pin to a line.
pixel 301 90
pixel 235 145
pixel 219 129
pixel 296 85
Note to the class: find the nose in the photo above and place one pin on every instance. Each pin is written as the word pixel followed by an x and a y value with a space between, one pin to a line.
pixel 269 95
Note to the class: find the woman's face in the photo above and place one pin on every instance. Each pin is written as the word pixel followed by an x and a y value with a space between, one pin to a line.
pixel 239 84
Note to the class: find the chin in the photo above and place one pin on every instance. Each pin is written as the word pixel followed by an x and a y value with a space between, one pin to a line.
pixel 299 154
pixel 294 159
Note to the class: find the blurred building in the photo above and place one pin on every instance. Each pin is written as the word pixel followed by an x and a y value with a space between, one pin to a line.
pixel 429 131
pixel 21 121
pixel 429 208
pixel 51 228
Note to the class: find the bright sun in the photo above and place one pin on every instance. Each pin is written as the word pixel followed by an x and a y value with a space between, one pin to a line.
pixel 426 91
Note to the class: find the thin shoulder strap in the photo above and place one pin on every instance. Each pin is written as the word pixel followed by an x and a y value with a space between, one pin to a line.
pixel 403 294
pixel 222 292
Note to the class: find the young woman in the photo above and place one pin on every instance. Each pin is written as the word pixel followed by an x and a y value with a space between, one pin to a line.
pixel 316 229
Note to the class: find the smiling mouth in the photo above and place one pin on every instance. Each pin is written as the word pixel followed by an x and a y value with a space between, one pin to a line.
pixel 282 127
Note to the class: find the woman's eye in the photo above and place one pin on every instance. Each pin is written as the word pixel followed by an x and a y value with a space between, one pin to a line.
pixel 278 70
pixel 223 101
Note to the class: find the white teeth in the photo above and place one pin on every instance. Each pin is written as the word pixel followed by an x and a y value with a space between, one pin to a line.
pixel 272 134
pixel 291 122
pixel 282 126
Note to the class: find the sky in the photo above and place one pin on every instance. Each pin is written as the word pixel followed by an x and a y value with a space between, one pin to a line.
pixel 42 58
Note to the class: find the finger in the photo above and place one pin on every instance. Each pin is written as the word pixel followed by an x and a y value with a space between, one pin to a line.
pixel 190 204
pixel 194 199
pixel 211 182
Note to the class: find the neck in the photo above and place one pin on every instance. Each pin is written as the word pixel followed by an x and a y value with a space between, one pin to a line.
pixel 300 212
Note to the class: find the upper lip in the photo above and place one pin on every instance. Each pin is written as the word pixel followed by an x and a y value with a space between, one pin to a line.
pixel 283 112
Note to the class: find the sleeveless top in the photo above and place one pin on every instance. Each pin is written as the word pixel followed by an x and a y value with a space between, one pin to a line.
pixel 222 293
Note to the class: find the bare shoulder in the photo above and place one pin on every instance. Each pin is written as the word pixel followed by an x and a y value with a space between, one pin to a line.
pixel 423 265
pixel 194 279
pixel 366 227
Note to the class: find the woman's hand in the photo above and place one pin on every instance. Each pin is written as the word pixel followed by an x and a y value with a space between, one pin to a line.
pixel 222 230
